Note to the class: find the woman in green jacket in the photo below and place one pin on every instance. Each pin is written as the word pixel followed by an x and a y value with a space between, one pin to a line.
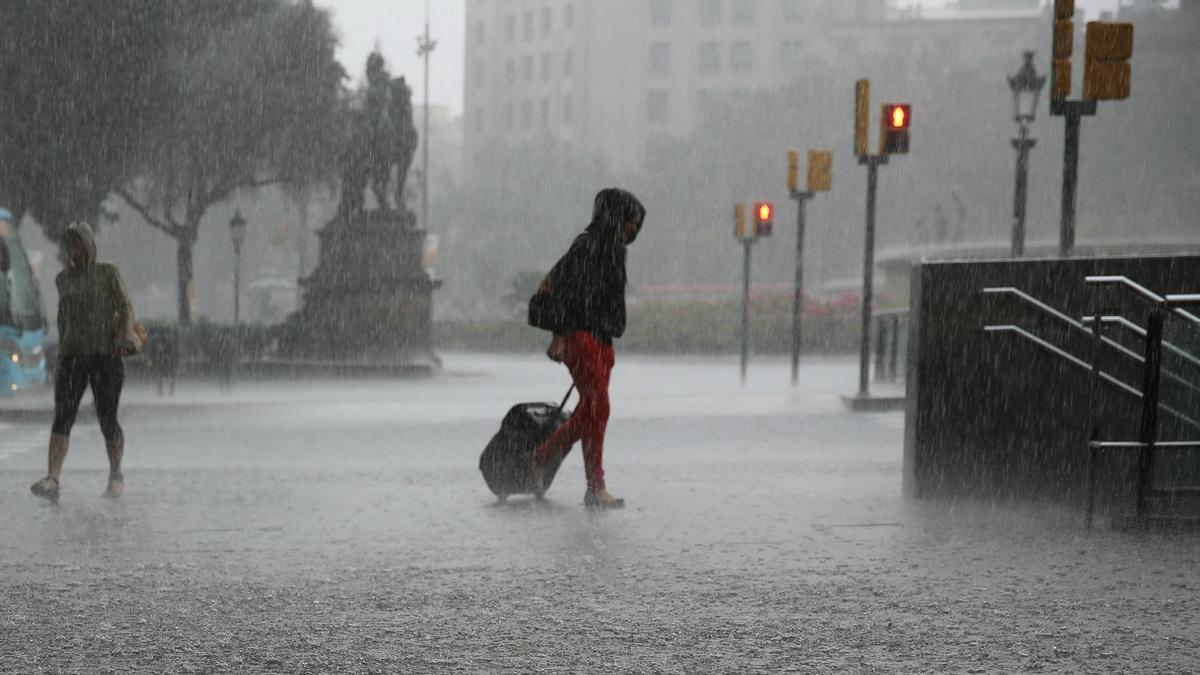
pixel 94 316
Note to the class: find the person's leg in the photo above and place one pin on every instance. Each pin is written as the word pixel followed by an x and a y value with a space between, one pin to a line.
pixel 570 431
pixel 597 494
pixel 70 381
pixel 107 379
pixel 577 359
pixel 598 367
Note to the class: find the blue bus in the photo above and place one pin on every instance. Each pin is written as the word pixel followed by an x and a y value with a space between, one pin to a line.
pixel 22 323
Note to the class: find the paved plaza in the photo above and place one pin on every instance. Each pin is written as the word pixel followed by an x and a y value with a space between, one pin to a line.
pixel 344 527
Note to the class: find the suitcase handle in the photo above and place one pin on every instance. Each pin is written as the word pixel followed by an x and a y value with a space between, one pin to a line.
pixel 564 401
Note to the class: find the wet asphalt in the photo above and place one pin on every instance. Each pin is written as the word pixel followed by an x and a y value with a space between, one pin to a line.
pixel 343 527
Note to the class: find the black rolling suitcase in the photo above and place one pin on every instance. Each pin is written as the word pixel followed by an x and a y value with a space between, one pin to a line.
pixel 506 462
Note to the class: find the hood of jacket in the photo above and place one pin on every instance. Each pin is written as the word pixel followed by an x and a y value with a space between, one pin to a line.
pixel 612 208
pixel 84 232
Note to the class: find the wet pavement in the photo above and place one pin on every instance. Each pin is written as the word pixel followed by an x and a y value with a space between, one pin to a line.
pixel 344 527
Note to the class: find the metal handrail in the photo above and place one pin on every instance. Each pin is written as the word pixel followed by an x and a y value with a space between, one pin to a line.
pixel 1061 353
pixel 1071 358
pixel 1132 285
pixel 1080 326
pixel 1064 318
pixel 1184 299
pixel 1141 332
pixel 1125 445
pixel 1167 301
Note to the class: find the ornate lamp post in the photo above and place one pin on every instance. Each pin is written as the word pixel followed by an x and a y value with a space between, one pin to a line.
pixel 1026 87
pixel 237 231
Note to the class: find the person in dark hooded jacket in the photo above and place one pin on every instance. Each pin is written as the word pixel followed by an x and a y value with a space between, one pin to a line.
pixel 582 302
pixel 93 316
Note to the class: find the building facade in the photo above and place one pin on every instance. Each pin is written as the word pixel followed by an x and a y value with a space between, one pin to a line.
pixel 590 71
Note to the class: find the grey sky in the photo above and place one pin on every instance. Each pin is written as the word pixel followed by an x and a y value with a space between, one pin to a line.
pixel 395 25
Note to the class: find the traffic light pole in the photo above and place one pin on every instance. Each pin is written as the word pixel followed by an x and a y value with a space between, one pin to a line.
pixel 873 163
pixel 798 300
pixel 746 244
pixel 1073 112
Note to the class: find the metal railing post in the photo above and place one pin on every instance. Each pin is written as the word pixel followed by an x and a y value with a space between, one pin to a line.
pixel 1094 414
pixel 1150 389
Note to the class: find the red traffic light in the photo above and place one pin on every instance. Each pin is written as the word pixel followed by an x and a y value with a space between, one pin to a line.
pixel 898 116
pixel 764 211
pixel 764 218
pixel 894 126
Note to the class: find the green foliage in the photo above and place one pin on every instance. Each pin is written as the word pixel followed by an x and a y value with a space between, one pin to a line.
pixel 256 101
pixel 75 99
pixel 680 327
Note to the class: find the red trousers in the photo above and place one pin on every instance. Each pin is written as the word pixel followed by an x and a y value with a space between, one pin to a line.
pixel 590 362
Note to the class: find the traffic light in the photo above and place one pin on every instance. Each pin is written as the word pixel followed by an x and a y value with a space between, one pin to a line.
pixel 862 116
pixel 1064 44
pixel 1106 70
pixel 820 170
pixel 895 123
pixel 764 219
pixel 793 181
pixel 739 221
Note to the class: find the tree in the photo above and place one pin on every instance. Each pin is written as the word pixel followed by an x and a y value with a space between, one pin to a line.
pixel 73 101
pixel 248 102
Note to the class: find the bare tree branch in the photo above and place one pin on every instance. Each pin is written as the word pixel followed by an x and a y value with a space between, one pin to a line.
pixel 169 228
pixel 223 190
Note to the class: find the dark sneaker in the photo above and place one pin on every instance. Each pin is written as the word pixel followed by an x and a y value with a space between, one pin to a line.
pixel 116 485
pixel 46 488
pixel 600 499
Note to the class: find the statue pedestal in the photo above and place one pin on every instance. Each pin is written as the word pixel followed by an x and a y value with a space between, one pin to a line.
pixel 369 300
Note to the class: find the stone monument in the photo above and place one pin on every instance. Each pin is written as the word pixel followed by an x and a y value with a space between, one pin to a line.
pixel 370 300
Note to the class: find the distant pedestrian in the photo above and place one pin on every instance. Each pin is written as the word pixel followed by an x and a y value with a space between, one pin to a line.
pixel 94 321
pixel 582 302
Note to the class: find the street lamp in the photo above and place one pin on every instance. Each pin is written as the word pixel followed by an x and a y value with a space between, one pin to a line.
pixel 1026 88
pixel 237 231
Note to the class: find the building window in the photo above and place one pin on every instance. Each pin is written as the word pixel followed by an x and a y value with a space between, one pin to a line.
pixel 709 11
pixel 791 53
pixel 547 21
pixel 569 17
pixel 743 11
pixel 710 57
pixel 569 63
pixel 657 105
pixel 545 112
pixel 508 117
pixel 741 56
pixel 510 72
pixel 660 13
pixel 794 10
pixel 527 68
pixel 660 58
pixel 567 109
pixel 526 114
pixel 546 67
pixel 510 28
pixel 527 26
